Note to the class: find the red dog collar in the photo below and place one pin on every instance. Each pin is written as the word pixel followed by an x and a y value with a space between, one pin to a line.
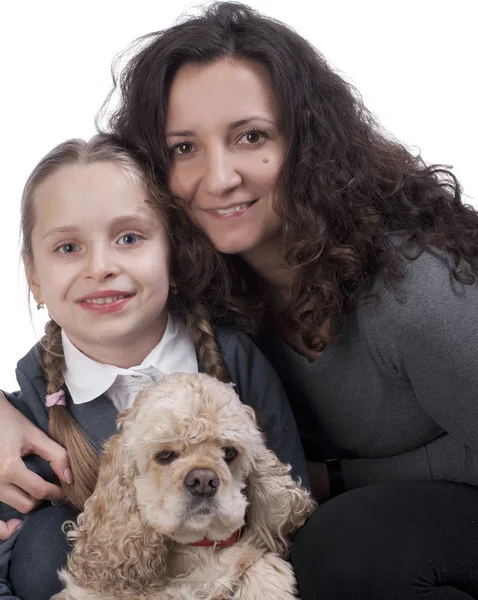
pixel 218 543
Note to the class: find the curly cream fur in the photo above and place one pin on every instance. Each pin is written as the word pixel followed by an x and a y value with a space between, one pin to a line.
pixel 131 540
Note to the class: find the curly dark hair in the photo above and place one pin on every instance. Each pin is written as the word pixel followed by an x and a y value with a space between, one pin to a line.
pixel 347 190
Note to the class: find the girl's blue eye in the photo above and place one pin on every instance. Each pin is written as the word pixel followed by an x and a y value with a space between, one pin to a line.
pixel 67 248
pixel 129 239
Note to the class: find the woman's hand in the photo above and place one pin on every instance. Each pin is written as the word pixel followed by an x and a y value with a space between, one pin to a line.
pixel 319 480
pixel 19 487
pixel 8 528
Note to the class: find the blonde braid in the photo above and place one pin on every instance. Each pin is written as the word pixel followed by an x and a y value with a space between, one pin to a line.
pixel 62 426
pixel 200 330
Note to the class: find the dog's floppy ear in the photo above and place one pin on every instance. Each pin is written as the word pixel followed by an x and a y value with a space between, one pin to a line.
pixel 115 552
pixel 278 506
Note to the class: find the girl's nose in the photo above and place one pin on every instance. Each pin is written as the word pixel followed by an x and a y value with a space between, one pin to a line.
pixel 101 264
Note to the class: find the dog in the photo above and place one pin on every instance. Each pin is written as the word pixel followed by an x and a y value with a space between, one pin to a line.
pixel 189 504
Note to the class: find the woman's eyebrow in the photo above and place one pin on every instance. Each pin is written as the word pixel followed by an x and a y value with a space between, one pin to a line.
pixel 246 120
pixel 182 133
pixel 231 126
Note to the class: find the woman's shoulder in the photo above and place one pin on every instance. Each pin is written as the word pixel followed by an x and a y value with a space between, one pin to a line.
pixel 427 272
pixel 429 293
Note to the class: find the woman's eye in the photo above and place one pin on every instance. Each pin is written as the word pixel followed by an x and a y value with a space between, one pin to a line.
pixel 165 457
pixel 129 239
pixel 67 248
pixel 251 138
pixel 183 148
pixel 230 454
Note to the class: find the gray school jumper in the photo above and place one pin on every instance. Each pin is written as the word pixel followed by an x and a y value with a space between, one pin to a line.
pixel 397 397
pixel 256 383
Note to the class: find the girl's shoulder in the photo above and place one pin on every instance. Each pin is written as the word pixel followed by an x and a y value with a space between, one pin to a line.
pixel 230 339
pixel 30 399
pixel 245 362
pixel 31 365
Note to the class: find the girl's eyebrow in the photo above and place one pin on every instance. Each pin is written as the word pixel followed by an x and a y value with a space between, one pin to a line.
pixel 63 229
pixel 231 126
pixel 131 220
pixel 115 223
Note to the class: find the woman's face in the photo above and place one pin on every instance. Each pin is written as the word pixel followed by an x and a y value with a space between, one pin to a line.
pixel 226 151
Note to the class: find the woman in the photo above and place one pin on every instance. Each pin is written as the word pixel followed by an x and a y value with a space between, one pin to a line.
pixel 353 263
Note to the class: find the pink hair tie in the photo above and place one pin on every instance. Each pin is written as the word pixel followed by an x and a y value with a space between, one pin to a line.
pixel 56 399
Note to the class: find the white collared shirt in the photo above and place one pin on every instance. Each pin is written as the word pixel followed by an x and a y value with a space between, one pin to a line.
pixel 86 379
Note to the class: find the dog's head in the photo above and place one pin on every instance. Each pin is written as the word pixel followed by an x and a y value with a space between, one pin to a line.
pixel 190 445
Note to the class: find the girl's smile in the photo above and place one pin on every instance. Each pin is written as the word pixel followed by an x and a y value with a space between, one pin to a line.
pixel 107 301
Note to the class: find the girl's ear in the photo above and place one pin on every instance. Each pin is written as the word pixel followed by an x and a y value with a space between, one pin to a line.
pixel 32 279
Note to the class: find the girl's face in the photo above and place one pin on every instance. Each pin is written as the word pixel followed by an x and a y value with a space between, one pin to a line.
pixel 226 151
pixel 100 258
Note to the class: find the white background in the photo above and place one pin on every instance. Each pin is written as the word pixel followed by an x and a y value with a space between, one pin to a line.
pixel 415 62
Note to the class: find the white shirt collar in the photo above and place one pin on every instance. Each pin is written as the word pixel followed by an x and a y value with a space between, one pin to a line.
pixel 87 379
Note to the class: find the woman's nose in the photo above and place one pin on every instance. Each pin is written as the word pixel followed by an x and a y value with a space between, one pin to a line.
pixel 220 175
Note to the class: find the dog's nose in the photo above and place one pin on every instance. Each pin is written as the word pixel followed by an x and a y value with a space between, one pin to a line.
pixel 202 482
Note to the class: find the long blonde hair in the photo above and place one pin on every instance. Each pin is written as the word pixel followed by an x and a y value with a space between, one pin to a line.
pixel 63 428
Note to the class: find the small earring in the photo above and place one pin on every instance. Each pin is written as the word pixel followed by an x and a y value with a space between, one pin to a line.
pixel 174 290
pixel 40 306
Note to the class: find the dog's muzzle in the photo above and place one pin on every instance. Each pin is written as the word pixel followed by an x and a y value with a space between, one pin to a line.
pixel 202 483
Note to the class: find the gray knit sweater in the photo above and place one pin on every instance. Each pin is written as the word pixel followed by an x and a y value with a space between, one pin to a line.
pixel 397 397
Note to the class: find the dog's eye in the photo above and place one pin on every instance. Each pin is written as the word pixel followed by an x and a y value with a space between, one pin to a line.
pixel 165 457
pixel 230 454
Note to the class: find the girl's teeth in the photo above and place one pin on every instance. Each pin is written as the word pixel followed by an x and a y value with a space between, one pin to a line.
pixel 104 300
pixel 234 209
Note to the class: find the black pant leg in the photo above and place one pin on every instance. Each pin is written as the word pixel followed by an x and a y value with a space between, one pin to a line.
pixel 39 552
pixel 397 541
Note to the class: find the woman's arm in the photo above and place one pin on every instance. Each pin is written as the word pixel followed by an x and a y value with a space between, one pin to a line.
pixel 20 487
pixel 259 386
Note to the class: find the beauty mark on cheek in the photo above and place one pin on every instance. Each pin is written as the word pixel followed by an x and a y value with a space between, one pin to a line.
pixel 265 160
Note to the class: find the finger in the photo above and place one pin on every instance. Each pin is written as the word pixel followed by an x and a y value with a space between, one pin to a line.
pixel 18 499
pixel 8 529
pixel 52 452
pixel 33 485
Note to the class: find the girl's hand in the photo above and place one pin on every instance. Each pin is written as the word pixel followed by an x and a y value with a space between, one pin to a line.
pixel 19 487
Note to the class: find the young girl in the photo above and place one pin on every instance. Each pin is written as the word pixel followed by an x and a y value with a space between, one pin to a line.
pixel 96 254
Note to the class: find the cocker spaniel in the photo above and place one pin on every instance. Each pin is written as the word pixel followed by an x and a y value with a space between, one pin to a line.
pixel 189 504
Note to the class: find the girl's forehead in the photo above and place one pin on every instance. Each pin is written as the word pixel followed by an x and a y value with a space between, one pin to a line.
pixel 95 193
